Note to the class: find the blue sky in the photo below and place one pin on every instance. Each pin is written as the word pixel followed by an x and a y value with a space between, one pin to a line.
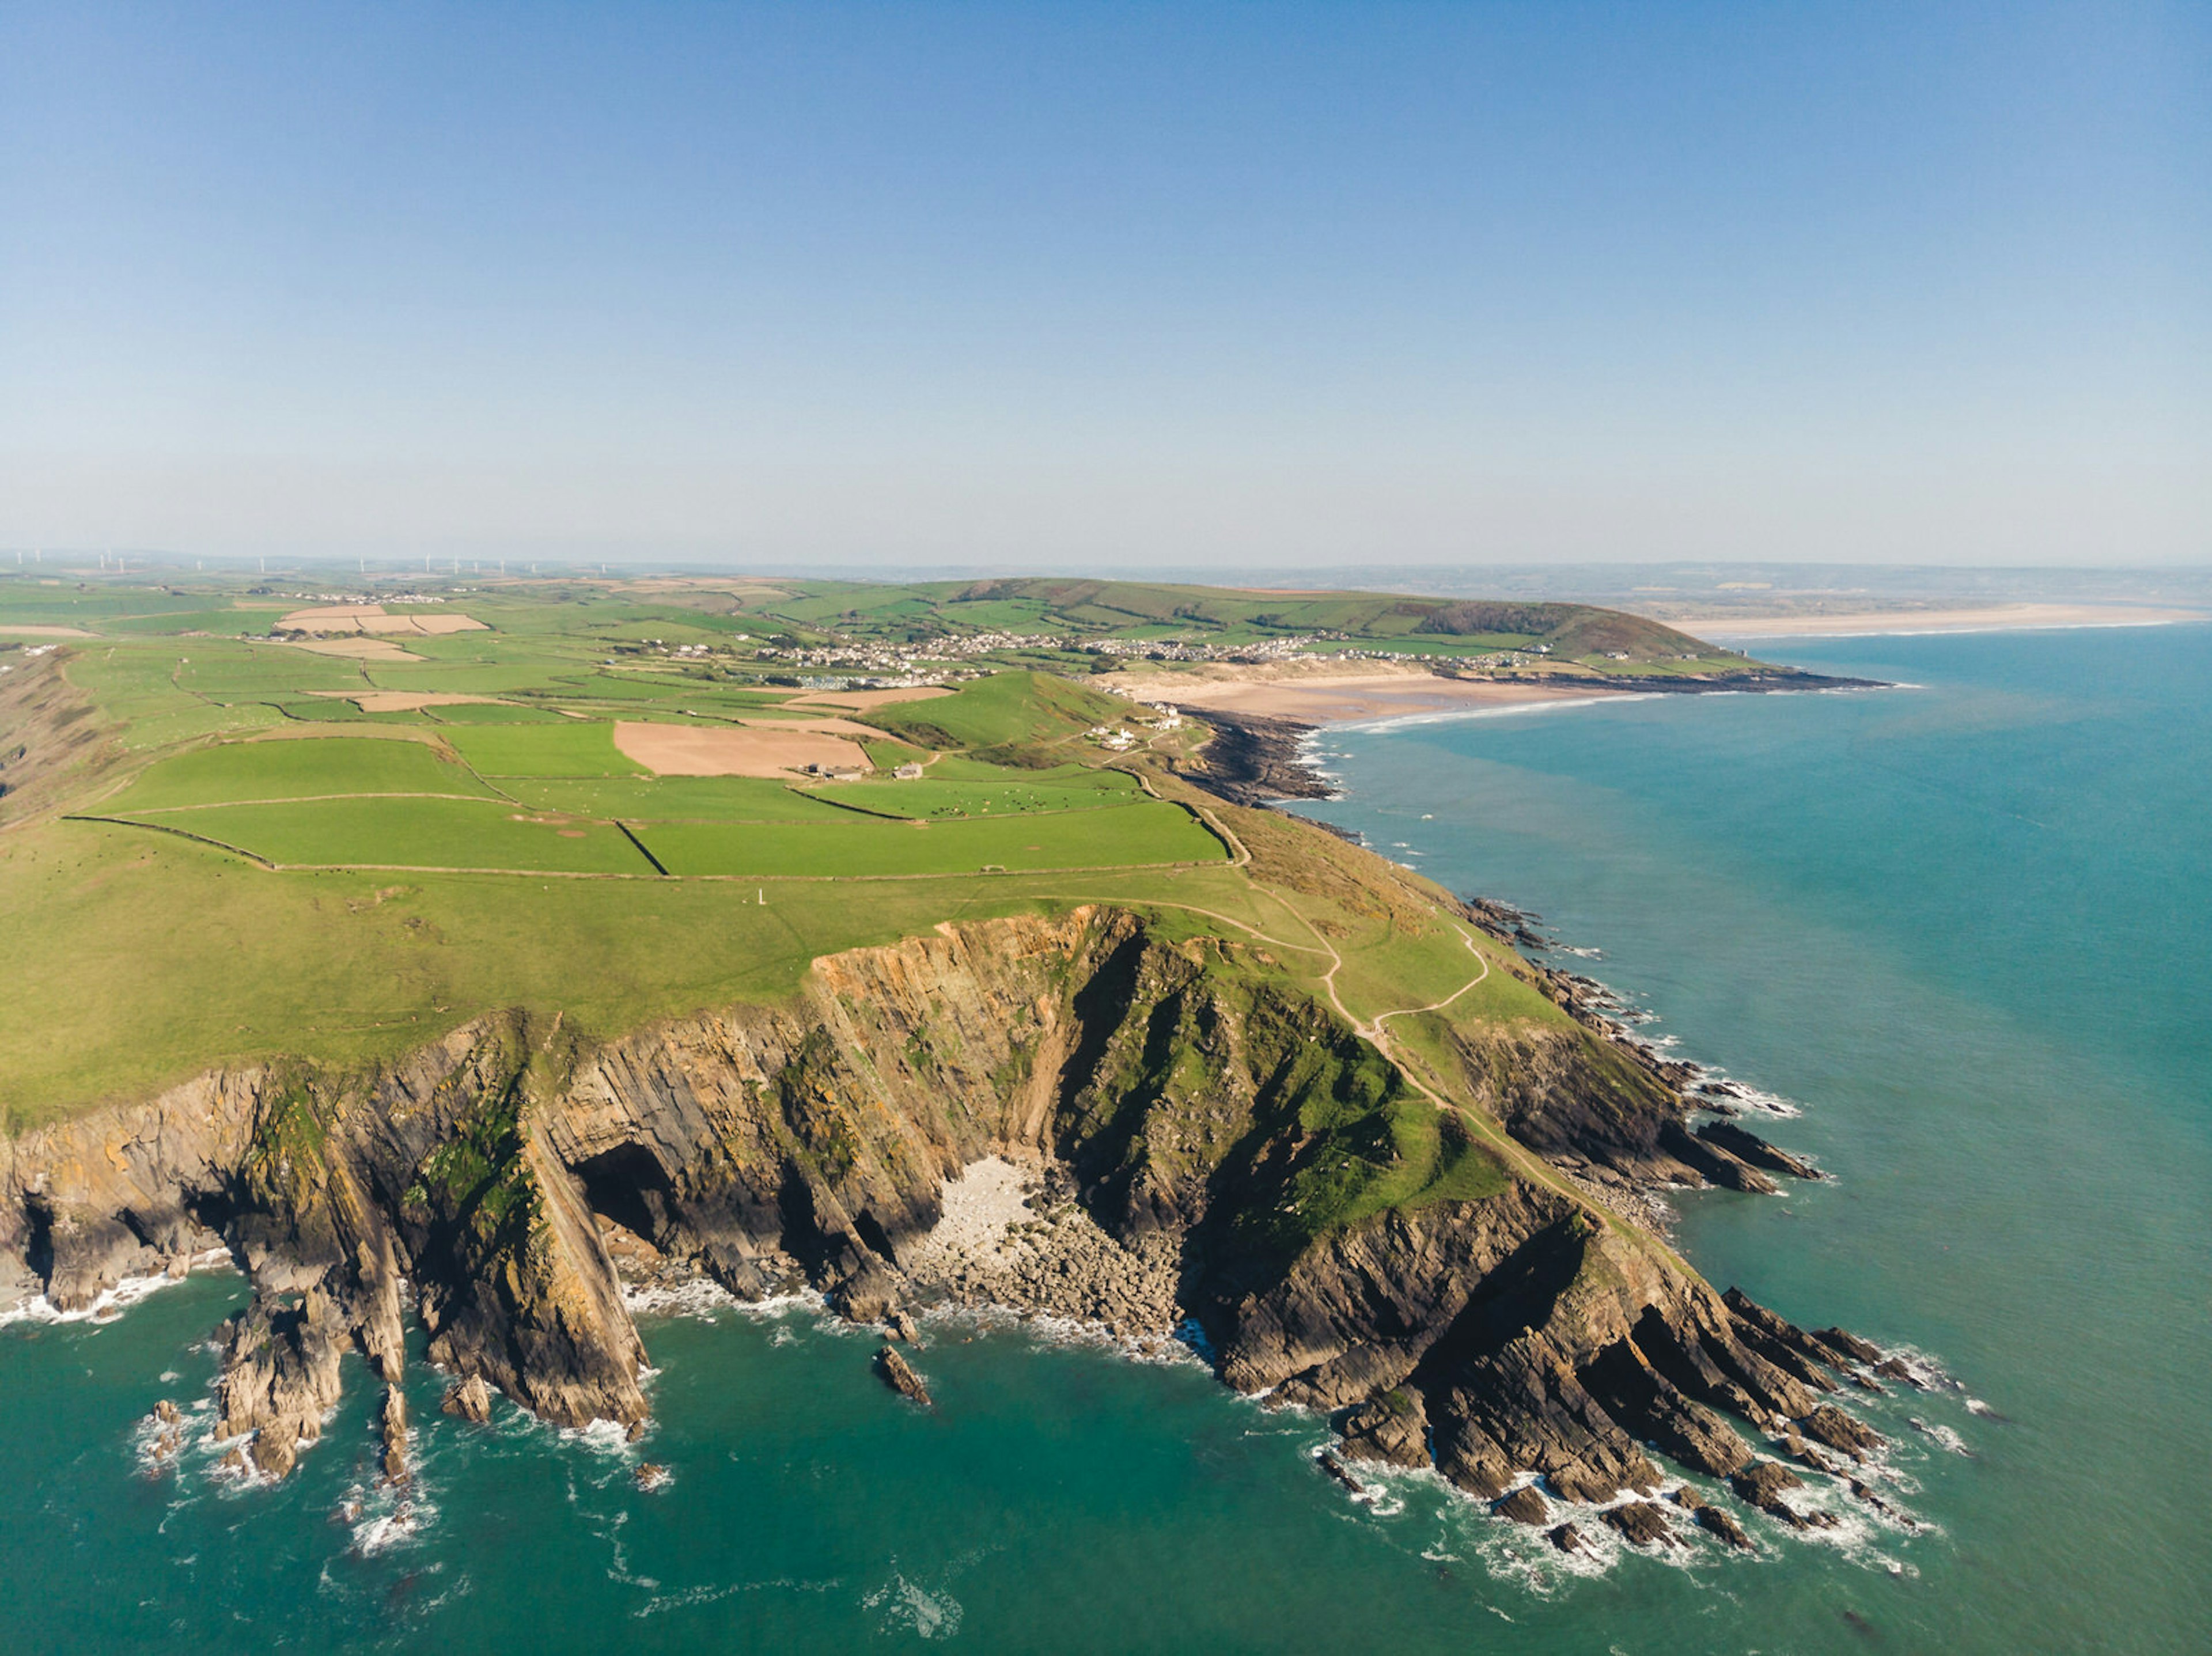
pixel 1110 286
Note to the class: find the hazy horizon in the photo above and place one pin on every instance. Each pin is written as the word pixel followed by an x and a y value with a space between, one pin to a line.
pixel 1131 289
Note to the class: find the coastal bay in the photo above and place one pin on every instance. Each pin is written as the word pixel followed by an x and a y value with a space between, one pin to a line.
pixel 1145 1487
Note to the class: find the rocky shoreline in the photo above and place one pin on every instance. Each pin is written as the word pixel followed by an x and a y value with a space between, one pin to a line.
pixel 1152 1103
pixel 1256 761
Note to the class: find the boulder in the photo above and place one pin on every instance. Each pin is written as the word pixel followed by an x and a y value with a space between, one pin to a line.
pixel 1642 1522
pixel 1524 1506
pixel 1761 1483
pixel 1392 1428
pixel 895 1372
pixel 1329 1463
pixel 470 1398
pixel 1832 1426
pixel 1715 1521
pixel 1850 1345
pixel 395 1435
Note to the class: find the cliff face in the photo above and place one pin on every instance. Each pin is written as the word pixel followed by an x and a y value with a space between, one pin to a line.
pixel 1338 1238
pixel 47 729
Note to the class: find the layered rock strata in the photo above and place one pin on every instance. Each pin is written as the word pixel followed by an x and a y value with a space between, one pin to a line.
pixel 1228 1150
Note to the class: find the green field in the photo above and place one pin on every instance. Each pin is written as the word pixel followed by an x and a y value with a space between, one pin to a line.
pixel 235 772
pixel 676 798
pixel 492 713
pixel 929 798
pixel 142 957
pixel 1005 710
pixel 1119 836
pixel 571 747
pixel 411 832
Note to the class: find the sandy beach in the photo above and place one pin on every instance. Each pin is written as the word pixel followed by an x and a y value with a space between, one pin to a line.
pixel 1378 690
pixel 1995 618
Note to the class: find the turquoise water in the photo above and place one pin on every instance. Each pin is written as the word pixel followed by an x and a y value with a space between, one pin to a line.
pixel 1966 926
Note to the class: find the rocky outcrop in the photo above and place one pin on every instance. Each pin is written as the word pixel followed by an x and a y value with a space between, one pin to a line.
pixel 1642 1522
pixel 898 1374
pixel 393 1428
pixel 1761 1484
pixel 1747 1147
pixel 1714 1519
pixel 1392 1428
pixel 280 1376
pixel 1252 760
pixel 1612 1113
pixel 469 1399
pixel 1524 1506
pixel 1221 1146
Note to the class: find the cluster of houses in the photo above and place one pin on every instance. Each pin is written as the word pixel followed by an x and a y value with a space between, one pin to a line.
pixel 1273 649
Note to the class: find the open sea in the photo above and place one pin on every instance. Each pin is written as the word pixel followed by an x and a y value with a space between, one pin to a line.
pixel 1964 928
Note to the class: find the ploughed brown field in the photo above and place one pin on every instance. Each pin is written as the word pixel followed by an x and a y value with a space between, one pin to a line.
pixel 402 701
pixel 734 750
pixel 353 646
pixel 371 618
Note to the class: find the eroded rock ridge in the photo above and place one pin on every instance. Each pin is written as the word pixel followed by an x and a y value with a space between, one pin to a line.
pixel 1425 1276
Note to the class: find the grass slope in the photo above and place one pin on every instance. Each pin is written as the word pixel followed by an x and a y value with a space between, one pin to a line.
pixel 412 833
pixel 137 957
pixel 233 772
pixel 1144 833
pixel 1004 713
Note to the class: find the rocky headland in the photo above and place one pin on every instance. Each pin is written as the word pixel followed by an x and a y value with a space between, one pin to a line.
pixel 1188 1136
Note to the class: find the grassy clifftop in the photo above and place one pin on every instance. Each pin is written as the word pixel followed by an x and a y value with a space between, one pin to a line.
pixel 227 838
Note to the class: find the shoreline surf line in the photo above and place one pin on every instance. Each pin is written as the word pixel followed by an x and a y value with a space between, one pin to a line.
pixel 1939 623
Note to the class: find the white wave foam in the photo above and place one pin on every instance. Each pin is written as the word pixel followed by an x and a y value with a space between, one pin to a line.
pixel 1524 1556
pixel 110 1303
pixel 700 1297
pixel 1952 632
pixel 909 1608
pixel 1457 715
pixel 396 1528
pixel 1046 1329
pixel 602 1436
pixel 1927 1367
pixel 777 1305
pixel 1941 1436
pixel 707 1595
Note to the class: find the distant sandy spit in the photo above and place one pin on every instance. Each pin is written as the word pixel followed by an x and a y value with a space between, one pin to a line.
pixel 1335 698
pixel 725 750
pixel 1996 618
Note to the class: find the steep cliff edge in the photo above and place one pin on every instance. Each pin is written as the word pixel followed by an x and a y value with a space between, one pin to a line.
pixel 1339 1239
